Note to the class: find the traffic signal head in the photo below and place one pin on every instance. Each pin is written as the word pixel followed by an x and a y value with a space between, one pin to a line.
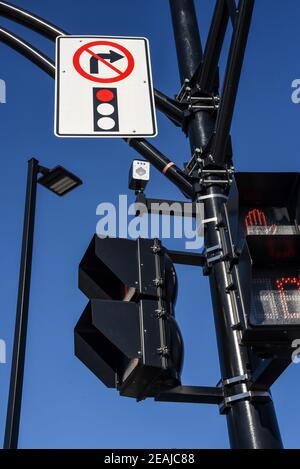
pixel 263 204
pixel 263 213
pixel 128 335
pixel 269 279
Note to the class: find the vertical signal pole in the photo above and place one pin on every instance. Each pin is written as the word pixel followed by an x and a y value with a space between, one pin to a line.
pixel 251 424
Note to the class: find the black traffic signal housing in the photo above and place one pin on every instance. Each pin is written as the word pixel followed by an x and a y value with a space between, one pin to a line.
pixel 127 334
pixel 263 211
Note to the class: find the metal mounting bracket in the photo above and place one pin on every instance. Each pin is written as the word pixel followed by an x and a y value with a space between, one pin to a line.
pixel 165 207
pixel 225 176
pixel 192 394
pixel 203 103
pixel 184 90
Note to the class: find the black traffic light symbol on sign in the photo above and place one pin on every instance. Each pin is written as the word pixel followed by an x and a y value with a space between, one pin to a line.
pixel 106 115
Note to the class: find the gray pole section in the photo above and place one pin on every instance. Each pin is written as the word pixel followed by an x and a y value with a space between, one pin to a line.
pixel 251 424
pixel 18 358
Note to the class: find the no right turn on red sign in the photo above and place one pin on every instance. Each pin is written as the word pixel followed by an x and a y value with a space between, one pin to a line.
pixel 104 87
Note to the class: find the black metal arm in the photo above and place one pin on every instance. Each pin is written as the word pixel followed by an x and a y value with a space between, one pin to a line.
pixel 34 22
pixel 30 52
pixel 268 371
pixel 231 81
pixel 232 10
pixel 192 395
pixel 206 74
pixel 169 107
pixel 49 30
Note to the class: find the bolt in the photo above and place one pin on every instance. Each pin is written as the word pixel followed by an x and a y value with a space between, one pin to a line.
pixel 158 282
pixel 160 313
pixel 163 351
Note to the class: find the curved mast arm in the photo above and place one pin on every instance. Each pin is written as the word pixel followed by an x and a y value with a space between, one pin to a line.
pixel 12 12
pixel 30 52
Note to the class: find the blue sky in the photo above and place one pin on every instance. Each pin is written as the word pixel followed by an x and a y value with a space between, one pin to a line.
pixel 64 405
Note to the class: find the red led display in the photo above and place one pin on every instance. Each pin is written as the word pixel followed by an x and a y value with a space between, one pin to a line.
pixel 275 298
pixel 282 285
pixel 256 218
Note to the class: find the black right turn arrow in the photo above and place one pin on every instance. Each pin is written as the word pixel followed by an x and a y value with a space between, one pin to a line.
pixel 112 56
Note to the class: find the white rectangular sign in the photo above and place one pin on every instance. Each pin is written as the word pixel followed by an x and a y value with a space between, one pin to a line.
pixel 104 87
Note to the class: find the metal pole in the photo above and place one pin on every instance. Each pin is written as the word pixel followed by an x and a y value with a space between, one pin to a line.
pixel 18 358
pixel 250 424
pixel 214 43
pixel 28 51
pixel 231 80
pixel 34 22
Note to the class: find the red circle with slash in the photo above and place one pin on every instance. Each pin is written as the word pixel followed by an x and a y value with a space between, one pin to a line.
pixel 120 74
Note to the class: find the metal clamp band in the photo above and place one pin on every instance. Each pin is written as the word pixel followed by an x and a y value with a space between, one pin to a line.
pixel 246 395
pixel 209 220
pixel 167 167
pixel 243 396
pixel 218 247
pixel 214 181
pixel 235 380
pixel 213 196
pixel 215 258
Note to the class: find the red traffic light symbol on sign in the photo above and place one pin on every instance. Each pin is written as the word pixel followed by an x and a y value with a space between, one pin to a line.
pixel 103 62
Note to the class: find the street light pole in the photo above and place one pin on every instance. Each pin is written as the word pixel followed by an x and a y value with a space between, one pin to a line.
pixel 251 424
pixel 18 358
pixel 60 181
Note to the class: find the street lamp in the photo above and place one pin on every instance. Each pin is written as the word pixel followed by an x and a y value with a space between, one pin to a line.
pixel 60 181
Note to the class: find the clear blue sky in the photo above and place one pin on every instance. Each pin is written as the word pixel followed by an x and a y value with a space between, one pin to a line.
pixel 64 405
